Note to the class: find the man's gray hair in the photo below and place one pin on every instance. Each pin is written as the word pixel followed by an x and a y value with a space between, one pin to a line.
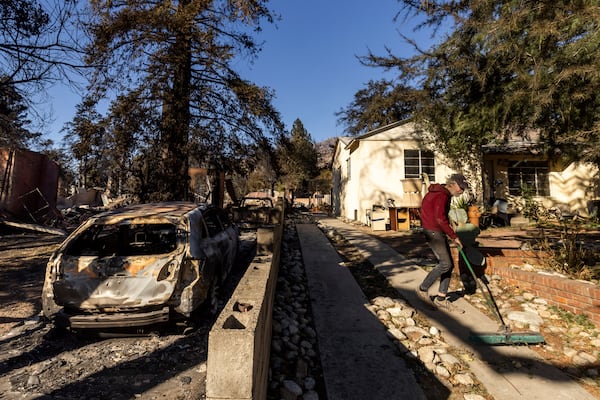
pixel 460 180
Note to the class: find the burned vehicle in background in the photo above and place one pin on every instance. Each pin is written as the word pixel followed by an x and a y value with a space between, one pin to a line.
pixel 254 212
pixel 140 265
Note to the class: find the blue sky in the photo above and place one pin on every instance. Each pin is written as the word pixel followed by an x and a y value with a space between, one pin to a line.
pixel 308 59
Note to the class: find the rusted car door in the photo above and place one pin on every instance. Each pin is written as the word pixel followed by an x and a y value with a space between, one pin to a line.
pixel 221 237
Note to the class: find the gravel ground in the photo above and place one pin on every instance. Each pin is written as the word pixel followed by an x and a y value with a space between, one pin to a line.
pixel 38 362
pixel 295 366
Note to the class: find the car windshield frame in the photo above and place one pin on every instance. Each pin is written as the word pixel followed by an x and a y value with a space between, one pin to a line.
pixel 125 239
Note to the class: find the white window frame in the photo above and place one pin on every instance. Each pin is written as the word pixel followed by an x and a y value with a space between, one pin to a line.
pixel 422 157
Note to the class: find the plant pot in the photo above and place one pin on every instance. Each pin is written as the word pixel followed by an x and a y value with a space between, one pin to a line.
pixel 473 214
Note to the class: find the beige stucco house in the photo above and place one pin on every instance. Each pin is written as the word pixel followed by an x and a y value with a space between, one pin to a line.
pixel 556 183
pixel 388 163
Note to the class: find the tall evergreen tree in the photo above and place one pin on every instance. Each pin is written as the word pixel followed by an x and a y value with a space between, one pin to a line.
pixel 176 57
pixel 85 137
pixel 129 133
pixel 380 103
pixel 298 158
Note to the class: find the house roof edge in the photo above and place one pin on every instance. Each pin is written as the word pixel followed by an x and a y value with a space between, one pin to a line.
pixel 376 131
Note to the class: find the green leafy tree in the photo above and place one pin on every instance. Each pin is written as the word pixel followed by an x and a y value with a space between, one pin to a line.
pixel 176 58
pixel 298 158
pixel 507 69
pixel 380 103
pixel 322 182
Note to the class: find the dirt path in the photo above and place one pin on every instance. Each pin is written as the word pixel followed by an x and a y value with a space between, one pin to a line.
pixel 23 260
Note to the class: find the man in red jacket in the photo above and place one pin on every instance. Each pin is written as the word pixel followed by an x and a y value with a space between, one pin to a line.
pixel 435 224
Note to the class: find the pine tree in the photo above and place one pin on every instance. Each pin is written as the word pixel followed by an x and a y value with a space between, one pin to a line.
pixel 380 103
pixel 175 58
pixel 85 137
pixel 298 158
pixel 13 120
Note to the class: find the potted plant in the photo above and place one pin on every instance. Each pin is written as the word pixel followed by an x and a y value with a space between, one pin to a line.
pixel 473 213
pixel 464 210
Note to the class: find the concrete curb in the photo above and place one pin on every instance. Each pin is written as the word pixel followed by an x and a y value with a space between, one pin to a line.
pixel 239 342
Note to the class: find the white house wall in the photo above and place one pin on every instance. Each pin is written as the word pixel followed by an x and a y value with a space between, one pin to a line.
pixel 377 169
pixel 574 186
pixel 340 177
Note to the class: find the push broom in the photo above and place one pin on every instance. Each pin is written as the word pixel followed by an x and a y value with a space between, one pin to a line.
pixel 504 334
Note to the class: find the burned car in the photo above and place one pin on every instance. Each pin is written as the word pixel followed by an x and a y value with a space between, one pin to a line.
pixel 253 212
pixel 140 265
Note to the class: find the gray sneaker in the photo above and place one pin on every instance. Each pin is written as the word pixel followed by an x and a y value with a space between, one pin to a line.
pixel 424 296
pixel 447 305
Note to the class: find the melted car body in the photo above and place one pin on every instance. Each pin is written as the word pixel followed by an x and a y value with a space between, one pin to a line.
pixel 139 265
pixel 253 212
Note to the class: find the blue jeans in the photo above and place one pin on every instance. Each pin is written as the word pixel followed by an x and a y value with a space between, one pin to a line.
pixel 443 270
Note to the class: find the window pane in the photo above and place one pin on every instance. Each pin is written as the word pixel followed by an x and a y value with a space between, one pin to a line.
pixel 411 172
pixel 411 154
pixel 543 183
pixel 429 170
pixel 417 162
pixel 427 155
pixel 428 163
pixel 514 182
pixel 532 174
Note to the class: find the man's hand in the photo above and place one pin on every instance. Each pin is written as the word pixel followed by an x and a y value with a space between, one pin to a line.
pixel 458 243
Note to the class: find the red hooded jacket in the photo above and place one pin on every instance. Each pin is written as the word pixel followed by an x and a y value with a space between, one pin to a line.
pixel 434 210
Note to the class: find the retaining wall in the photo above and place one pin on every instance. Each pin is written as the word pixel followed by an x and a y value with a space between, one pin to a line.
pixel 577 297
pixel 239 342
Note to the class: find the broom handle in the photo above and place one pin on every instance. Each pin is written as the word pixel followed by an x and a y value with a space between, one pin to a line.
pixel 495 308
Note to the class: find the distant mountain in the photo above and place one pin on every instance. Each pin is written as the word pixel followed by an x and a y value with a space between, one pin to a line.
pixel 325 150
